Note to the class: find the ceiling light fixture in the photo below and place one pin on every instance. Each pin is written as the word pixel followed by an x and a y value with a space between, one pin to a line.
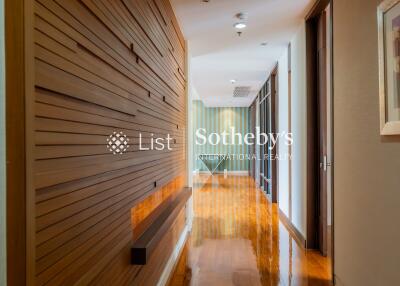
pixel 233 81
pixel 240 25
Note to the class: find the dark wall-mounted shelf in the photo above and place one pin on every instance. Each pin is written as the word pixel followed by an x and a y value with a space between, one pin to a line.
pixel 166 214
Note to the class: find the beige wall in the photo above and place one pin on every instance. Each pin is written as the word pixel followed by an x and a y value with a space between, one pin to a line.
pixel 367 166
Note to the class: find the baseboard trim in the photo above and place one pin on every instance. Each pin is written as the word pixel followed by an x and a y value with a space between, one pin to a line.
pixel 298 237
pixel 174 258
pixel 237 173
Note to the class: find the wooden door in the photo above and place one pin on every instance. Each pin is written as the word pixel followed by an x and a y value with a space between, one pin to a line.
pixel 273 119
pixel 267 151
pixel 322 133
pixel 262 148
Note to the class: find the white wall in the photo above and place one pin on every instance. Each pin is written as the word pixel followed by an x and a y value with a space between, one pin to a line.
pixel 2 155
pixel 283 126
pixel 299 130
pixel 367 165
pixel 298 205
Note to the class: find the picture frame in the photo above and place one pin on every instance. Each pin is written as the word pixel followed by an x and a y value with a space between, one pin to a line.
pixel 389 66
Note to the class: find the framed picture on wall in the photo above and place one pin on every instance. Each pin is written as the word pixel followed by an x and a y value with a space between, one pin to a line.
pixel 389 66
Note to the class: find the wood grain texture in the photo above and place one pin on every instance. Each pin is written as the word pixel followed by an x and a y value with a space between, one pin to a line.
pixel 102 66
pixel 164 217
pixel 15 137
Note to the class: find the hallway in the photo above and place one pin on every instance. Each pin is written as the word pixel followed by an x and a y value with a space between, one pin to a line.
pixel 238 239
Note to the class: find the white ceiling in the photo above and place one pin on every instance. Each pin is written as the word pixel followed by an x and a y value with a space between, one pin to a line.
pixel 218 54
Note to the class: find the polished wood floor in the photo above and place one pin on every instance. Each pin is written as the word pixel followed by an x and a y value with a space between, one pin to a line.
pixel 237 239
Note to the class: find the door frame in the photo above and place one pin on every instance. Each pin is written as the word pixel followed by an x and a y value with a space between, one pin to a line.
pixel 312 126
pixel 269 92
pixel 252 149
pixel 274 128
pixel 322 132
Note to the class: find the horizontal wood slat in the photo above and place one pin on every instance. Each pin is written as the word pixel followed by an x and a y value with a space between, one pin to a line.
pixel 104 66
pixel 145 245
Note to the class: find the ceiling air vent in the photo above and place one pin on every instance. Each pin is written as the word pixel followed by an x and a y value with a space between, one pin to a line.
pixel 241 91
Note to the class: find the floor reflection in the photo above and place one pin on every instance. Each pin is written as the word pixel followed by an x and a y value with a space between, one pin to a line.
pixel 237 239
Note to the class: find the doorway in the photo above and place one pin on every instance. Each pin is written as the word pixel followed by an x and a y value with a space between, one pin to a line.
pixel 322 134
pixel 268 125
pixel 319 126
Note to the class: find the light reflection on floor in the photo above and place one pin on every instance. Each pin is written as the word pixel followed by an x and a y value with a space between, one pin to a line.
pixel 237 239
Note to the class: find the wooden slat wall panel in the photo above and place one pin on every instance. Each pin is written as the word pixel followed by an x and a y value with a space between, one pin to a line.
pixel 103 66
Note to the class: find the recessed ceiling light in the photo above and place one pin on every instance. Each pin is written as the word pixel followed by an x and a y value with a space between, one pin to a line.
pixel 233 81
pixel 240 25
